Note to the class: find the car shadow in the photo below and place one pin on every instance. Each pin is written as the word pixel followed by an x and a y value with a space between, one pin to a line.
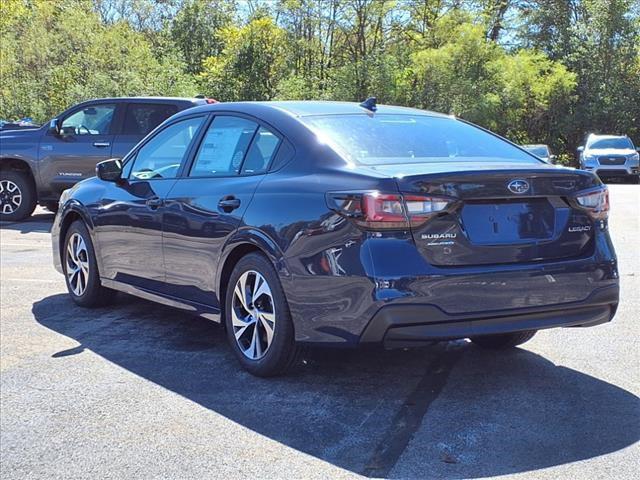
pixel 359 409
pixel 40 221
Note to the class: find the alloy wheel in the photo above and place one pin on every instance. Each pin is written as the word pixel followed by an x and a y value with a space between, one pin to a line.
pixel 77 264
pixel 253 315
pixel 10 197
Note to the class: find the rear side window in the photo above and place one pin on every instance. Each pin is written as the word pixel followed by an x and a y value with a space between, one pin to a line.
pixel 263 148
pixel 224 147
pixel 162 156
pixel 141 118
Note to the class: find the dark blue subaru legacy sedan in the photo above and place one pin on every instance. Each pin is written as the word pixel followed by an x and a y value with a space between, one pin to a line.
pixel 341 224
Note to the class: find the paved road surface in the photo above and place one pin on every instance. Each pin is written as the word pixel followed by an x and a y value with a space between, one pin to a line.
pixel 143 391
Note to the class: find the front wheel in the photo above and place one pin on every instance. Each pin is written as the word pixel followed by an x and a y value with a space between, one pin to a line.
pixel 81 269
pixel 257 318
pixel 506 340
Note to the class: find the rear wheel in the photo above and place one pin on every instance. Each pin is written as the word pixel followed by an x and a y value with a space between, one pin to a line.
pixel 259 326
pixel 506 340
pixel 81 269
pixel 17 195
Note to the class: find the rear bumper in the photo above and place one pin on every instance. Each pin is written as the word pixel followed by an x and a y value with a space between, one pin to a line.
pixel 409 325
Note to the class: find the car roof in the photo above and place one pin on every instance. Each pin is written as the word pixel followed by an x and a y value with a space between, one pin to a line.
pixel 306 108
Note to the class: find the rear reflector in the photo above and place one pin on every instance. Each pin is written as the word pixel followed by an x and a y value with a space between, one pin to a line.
pixel 595 202
pixel 376 210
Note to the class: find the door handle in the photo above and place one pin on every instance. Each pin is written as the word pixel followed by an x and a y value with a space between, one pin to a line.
pixel 101 144
pixel 228 203
pixel 154 202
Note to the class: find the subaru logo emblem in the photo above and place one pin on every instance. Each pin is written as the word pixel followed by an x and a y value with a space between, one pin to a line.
pixel 518 186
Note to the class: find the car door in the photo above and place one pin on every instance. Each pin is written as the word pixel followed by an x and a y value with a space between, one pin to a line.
pixel 85 138
pixel 206 205
pixel 128 223
pixel 140 118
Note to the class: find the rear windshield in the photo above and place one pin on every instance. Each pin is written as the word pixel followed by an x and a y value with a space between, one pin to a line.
pixel 383 139
pixel 619 143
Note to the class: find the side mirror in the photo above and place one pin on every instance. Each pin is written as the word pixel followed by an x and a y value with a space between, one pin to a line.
pixel 54 126
pixel 109 170
pixel 637 149
pixel 581 148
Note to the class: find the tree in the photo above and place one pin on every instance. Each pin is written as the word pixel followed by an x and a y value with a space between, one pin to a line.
pixel 251 64
pixel 64 54
pixel 195 30
pixel 599 40
pixel 472 77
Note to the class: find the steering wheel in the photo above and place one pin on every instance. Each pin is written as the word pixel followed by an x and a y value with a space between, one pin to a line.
pixel 79 130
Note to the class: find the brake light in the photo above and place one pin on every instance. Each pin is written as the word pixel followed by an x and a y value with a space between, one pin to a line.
pixel 211 101
pixel 596 203
pixel 383 211
pixel 375 210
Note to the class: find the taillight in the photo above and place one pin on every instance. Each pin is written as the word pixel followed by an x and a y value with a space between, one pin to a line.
pixel 596 203
pixel 375 210
pixel 420 208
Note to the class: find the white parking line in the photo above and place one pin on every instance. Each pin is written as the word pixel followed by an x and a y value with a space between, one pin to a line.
pixel 30 280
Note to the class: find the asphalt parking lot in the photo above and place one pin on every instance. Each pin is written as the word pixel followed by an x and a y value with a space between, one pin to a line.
pixel 138 390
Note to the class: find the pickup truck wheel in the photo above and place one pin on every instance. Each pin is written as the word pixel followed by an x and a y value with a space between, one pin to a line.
pixel 17 195
pixel 507 340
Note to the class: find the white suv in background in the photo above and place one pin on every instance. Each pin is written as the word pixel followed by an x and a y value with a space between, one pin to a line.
pixel 610 156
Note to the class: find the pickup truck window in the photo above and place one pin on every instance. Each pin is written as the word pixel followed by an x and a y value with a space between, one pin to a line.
pixel 92 120
pixel 141 118
pixel 163 154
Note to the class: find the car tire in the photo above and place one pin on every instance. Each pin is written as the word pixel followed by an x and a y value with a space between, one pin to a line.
pixel 17 196
pixel 503 341
pixel 83 282
pixel 259 329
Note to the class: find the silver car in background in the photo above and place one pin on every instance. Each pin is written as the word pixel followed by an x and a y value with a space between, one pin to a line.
pixel 543 152
pixel 610 156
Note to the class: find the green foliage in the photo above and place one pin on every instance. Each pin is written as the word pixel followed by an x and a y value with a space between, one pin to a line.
pixel 536 71
pixel 195 30
pixel 64 54
pixel 251 65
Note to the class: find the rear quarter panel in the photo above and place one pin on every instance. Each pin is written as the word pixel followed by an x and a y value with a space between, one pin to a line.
pixel 324 263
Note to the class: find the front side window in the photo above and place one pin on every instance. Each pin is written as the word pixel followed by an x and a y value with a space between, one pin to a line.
pixel 141 118
pixel 94 120
pixel 162 156
pixel 224 147
pixel 399 139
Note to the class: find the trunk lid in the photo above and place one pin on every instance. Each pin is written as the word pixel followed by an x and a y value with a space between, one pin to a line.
pixel 503 213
